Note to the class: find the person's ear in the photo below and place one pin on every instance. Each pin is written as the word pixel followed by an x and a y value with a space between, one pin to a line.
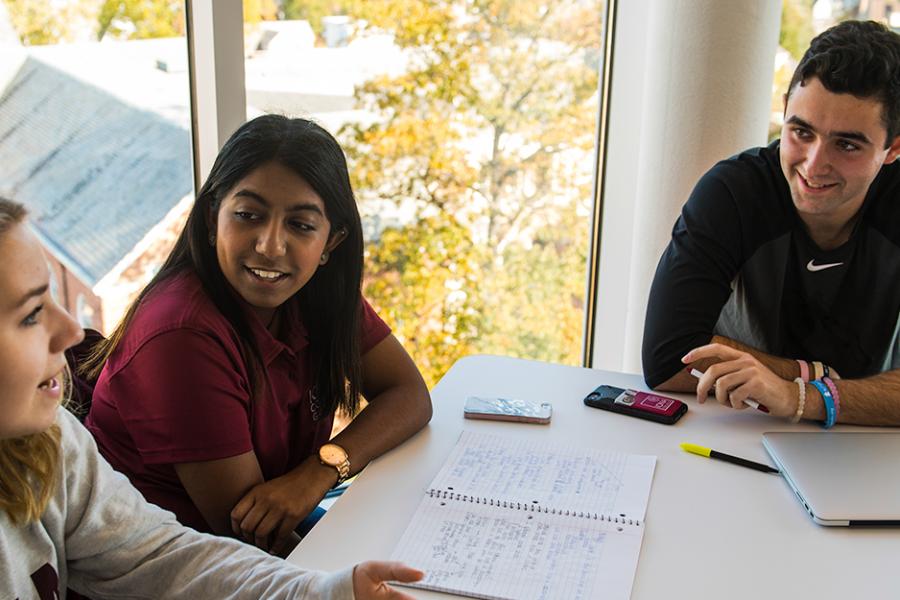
pixel 335 238
pixel 893 151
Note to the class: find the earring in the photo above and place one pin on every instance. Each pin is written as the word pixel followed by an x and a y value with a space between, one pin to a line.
pixel 212 238
pixel 324 258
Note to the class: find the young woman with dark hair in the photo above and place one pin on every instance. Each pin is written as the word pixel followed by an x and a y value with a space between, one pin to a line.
pixel 67 520
pixel 216 393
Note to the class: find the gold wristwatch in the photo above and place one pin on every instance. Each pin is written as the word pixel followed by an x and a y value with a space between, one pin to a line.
pixel 332 455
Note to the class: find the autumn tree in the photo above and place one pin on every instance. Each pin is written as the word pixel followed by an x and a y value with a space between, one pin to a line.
pixel 140 19
pixel 38 23
pixel 314 10
pixel 796 27
pixel 52 22
pixel 423 278
pixel 491 126
pixel 542 289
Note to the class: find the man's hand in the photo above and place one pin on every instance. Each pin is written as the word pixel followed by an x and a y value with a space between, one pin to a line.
pixel 268 514
pixel 739 376
pixel 369 580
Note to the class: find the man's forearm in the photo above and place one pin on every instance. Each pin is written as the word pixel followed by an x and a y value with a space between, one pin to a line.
pixel 682 381
pixel 871 401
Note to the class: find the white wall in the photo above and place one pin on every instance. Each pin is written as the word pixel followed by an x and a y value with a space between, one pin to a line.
pixel 692 84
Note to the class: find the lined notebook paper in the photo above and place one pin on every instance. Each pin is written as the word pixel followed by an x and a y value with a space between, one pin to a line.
pixel 513 519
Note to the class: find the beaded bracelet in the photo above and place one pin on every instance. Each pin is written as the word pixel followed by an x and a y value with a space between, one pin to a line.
pixel 817 369
pixel 804 370
pixel 828 399
pixel 801 402
pixel 832 387
pixel 826 372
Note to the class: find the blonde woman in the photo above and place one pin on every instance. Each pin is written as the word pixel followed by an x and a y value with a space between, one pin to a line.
pixel 67 520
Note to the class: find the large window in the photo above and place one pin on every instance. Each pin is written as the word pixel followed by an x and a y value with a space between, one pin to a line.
pixel 95 140
pixel 470 130
pixel 469 126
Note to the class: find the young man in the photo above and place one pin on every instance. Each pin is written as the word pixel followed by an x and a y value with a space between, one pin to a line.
pixel 793 252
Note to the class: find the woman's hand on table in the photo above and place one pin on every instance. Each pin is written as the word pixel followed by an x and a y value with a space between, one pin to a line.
pixel 370 580
pixel 740 376
pixel 269 513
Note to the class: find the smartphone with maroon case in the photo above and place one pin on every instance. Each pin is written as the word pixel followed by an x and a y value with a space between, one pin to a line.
pixel 642 405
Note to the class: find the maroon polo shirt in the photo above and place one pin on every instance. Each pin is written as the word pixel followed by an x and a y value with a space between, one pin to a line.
pixel 177 390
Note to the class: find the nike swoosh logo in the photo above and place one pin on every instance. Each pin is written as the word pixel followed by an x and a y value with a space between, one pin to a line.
pixel 813 267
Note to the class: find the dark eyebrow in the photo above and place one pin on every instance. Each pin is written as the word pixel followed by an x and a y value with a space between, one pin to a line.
pixel 850 135
pixel 295 208
pixel 38 291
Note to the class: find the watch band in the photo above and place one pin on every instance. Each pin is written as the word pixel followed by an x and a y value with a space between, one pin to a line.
pixel 343 470
pixel 341 466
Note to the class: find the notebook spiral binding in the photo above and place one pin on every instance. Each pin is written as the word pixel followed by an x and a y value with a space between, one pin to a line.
pixel 448 495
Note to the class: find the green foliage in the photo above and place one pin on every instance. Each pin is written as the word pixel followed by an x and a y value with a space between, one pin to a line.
pixel 536 302
pixel 140 19
pixel 796 27
pixel 314 10
pixel 40 22
pixel 424 279
pixel 259 10
pixel 47 22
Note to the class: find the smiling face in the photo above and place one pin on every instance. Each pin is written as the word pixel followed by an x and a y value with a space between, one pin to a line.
pixel 34 333
pixel 271 234
pixel 832 147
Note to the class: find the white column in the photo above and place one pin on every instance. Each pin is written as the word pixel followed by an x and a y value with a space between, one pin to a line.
pixel 701 72
pixel 218 91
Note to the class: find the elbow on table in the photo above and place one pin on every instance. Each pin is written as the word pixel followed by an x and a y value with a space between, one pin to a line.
pixel 656 370
pixel 661 361
pixel 427 409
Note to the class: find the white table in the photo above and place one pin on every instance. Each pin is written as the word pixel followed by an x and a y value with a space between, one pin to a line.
pixel 713 530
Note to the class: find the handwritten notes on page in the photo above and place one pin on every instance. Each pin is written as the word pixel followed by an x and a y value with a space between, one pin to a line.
pixel 562 477
pixel 508 518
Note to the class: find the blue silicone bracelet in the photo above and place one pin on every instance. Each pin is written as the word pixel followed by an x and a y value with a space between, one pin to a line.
pixel 829 402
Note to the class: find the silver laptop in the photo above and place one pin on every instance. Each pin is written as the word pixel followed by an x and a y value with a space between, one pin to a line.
pixel 842 479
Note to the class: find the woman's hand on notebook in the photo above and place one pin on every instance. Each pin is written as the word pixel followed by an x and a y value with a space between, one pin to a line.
pixel 370 580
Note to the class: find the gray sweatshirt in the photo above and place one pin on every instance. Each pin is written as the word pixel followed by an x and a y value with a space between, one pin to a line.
pixel 100 538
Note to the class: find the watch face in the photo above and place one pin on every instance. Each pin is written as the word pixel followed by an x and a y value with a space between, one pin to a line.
pixel 332 454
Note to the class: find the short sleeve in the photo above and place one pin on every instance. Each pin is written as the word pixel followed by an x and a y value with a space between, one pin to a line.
pixel 184 397
pixel 373 328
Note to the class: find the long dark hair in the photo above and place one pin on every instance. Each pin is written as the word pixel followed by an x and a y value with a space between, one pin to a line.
pixel 329 302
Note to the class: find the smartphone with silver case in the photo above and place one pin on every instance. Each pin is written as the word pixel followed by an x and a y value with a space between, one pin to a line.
pixel 507 409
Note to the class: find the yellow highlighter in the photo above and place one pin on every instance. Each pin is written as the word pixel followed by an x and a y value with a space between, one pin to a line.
pixel 743 462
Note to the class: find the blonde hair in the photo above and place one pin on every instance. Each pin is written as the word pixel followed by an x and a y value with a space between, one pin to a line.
pixel 28 465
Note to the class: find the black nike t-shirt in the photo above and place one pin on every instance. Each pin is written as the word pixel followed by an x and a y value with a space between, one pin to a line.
pixel 740 264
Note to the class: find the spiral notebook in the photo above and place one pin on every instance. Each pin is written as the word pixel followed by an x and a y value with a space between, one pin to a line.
pixel 508 518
